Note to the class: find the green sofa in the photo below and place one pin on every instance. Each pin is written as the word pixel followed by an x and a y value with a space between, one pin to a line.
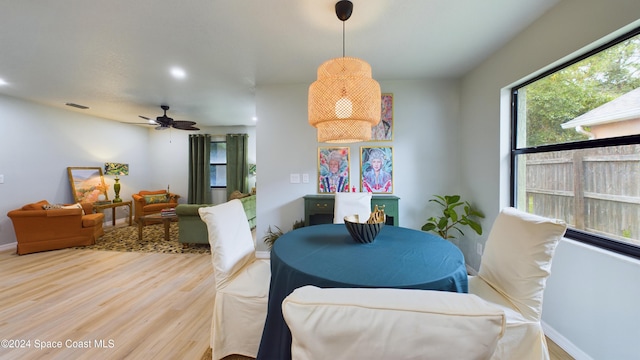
pixel 192 230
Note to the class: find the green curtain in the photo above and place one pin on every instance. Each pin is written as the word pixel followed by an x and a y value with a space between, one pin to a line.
pixel 199 169
pixel 237 166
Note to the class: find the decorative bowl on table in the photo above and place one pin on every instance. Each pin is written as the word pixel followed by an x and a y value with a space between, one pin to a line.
pixel 363 233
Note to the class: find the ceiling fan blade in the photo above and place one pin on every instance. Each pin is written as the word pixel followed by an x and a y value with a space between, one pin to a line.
pixel 137 123
pixel 184 123
pixel 161 127
pixel 149 121
pixel 185 127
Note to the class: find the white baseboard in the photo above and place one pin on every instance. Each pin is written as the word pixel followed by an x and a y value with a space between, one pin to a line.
pixel 119 221
pixel 263 254
pixel 471 271
pixel 564 343
pixel 9 246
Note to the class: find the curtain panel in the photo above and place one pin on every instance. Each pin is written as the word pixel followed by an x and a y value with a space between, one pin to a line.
pixel 199 169
pixel 237 166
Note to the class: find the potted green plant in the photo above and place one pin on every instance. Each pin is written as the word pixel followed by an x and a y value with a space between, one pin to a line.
pixel 272 235
pixel 451 219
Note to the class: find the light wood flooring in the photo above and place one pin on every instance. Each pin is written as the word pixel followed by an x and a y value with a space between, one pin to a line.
pixel 556 352
pixel 137 305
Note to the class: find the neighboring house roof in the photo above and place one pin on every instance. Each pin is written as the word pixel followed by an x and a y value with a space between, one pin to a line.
pixel 625 107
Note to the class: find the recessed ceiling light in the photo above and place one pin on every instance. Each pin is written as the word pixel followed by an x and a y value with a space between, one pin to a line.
pixel 255 118
pixel 178 73
pixel 3 82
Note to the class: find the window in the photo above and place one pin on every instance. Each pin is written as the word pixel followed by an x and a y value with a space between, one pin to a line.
pixel 218 164
pixel 575 151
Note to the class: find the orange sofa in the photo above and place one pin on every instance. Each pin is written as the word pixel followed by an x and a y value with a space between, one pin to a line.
pixel 38 229
pixel 151 202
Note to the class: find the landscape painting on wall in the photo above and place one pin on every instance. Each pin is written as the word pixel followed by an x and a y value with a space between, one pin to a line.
pixel 376 169
pixel 333 169
pixel 87 184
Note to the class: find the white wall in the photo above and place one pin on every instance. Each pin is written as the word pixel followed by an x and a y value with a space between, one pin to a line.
pixel 590 298
pixel 38 143
pixel 425 153
pixel 591 301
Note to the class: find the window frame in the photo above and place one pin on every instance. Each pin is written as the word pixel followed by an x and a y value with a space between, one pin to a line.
pixel 211 163
pixel 581 236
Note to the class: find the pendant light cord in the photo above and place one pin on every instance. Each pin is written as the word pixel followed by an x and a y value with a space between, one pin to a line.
pixel 344 8
pixel 343 38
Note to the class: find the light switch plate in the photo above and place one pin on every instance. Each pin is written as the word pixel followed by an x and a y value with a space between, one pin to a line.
pixel 305 178
pixel 294 178
pixel 1 179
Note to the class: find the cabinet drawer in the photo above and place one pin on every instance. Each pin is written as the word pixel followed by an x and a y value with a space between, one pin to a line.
pixel 321 206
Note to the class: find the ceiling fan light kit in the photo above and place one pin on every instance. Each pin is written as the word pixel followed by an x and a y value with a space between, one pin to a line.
pixel 344 103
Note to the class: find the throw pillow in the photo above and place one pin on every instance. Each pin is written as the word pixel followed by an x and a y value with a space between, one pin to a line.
pixel 156 199
pixel 35 206
pixel 52 206
pixel 74 206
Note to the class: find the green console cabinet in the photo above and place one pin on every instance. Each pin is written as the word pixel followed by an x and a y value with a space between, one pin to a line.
pixel 318 209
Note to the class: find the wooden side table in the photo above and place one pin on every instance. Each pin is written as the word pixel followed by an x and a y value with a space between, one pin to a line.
pixel 101 207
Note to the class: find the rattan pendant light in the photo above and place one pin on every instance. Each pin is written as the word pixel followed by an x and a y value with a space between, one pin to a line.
pixel 344 103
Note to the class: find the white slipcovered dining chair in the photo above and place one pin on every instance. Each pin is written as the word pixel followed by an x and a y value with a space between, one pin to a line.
pixel 353 203
pixel 359 323
pixel 513 272
pixel 242 282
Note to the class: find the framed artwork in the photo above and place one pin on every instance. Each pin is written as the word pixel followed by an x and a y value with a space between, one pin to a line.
pixel 384 130
pixel 376 169
pixel 87 183
pixel 333 169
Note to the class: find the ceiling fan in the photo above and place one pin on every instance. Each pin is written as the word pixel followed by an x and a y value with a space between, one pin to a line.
pixel 164 122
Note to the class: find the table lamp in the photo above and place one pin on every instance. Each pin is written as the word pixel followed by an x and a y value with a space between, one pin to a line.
pixel 116 169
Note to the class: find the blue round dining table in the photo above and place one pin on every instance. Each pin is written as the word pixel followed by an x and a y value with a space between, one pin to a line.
pixel 326 256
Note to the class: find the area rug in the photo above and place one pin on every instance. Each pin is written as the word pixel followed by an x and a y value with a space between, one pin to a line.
pixel 125 238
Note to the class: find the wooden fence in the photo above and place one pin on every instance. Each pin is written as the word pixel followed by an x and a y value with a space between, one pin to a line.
pixel 596 190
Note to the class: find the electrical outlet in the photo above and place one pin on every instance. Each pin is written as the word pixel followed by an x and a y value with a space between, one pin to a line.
pixel 479 248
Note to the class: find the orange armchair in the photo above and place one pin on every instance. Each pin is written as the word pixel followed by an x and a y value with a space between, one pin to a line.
pixel 151 202
pixel 40 230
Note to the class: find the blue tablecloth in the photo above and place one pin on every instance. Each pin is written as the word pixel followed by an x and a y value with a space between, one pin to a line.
pixel 327 256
